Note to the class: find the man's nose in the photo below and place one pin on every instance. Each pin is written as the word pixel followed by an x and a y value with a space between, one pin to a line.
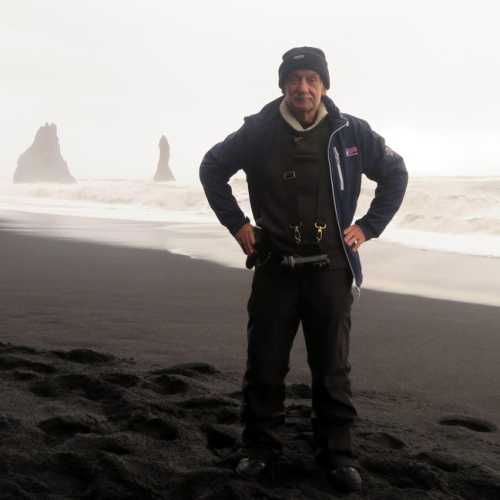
pixel 302 85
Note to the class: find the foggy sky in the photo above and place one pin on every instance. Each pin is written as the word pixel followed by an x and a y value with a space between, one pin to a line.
pixel 115 75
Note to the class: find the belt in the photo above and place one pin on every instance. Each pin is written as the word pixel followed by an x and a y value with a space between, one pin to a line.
pixel 293 262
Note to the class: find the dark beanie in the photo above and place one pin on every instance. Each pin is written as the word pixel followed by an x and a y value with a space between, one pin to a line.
pixel 304 58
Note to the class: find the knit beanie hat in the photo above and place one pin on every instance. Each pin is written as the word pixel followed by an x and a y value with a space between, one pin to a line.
pixel 304 58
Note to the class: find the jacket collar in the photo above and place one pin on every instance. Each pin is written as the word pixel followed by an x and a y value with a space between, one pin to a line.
pixel 295 124
pixel 334 115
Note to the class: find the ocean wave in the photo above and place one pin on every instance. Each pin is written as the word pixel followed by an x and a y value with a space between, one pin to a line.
pixel 447 205
pixel 168 196
pixel 465 207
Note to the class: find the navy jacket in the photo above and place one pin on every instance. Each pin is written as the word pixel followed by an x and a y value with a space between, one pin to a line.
pixel 353 149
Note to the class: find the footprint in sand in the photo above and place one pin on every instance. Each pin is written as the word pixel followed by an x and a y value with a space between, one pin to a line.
pixel 90 387
pixel 19 349
pixel 121 444
pixel 208 403
pixel 25 375
pixel 9 424
pixel 384 440
pixel 85 356
pixel 472 423
pixel 188 370
pixel 441 460
pixel 163 428
pixel 171 384
pixel 404 473
pixel 10 362
pixel 126 380
pixel 65 426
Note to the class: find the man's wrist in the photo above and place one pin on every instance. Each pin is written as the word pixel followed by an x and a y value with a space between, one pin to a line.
pixel 367 232
pixel 235 229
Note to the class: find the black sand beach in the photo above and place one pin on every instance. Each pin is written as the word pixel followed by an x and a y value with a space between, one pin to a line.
pixel 88 425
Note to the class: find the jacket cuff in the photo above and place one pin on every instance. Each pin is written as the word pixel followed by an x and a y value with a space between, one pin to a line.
pixel 367 230
pixel 234 228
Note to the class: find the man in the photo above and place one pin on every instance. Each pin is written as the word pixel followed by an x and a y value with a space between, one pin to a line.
pixel 303 160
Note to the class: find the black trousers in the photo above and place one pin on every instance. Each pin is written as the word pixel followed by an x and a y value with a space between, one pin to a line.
pixel 321 300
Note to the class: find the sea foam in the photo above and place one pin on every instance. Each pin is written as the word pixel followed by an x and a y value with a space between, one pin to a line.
pixel 455 214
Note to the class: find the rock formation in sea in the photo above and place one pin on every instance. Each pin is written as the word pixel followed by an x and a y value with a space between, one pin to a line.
pixel 42 161
pixel 163 172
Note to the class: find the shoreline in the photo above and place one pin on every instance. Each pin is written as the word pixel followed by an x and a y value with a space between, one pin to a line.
pixel 387 267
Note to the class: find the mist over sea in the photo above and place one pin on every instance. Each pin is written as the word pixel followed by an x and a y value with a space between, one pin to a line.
pixel 452 214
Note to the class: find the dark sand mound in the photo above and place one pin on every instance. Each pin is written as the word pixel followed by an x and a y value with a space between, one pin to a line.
pixel 82 424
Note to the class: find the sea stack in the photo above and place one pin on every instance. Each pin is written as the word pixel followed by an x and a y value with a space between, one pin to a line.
pixel 163 172
pixel 42 161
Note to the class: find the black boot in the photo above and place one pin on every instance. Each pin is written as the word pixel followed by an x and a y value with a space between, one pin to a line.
pixel 254 460
pixel 341 469
pixel 251 467
pixel 346 479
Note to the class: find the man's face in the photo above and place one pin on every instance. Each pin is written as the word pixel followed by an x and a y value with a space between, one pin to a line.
pixel 303 90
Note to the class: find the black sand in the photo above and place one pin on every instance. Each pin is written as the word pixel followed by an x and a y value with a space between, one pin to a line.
pixel 87 425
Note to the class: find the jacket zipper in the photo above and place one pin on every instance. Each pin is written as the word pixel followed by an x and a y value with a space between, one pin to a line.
pixel 339 170
pixel 346 124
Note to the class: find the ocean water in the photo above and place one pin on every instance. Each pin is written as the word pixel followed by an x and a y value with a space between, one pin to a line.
pixel 451 214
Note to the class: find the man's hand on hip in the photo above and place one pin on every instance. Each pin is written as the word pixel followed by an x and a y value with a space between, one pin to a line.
pixel 354 237
pixel 246 238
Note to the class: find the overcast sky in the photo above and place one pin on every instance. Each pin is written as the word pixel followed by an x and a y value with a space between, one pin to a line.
pixel 115 75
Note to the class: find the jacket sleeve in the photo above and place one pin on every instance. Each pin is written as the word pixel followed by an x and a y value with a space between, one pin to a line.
pixel 219 164
pixel 387 168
